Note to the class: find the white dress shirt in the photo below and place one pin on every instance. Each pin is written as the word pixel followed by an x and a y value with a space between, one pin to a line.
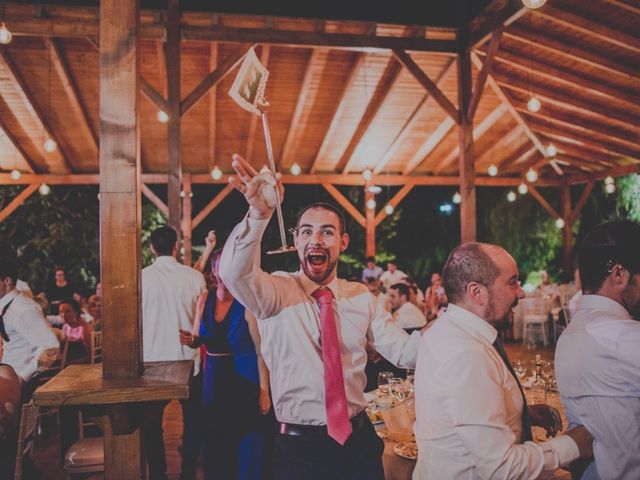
pixel 388 278
pixel 598 372
pixel 289 323
pixel 468 408
pixel 170 294
pixel 409 316
pixel 31 340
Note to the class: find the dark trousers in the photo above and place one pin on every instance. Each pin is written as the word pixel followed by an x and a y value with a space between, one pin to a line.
pixel 320 457
pixel 152 434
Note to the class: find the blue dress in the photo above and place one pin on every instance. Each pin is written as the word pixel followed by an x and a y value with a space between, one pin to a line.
pixel 234 434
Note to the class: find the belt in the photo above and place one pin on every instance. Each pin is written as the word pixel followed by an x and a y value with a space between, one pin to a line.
pixel 358 422
pixel 218 354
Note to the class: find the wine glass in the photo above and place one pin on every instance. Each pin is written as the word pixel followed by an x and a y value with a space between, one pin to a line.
pixel 383 383
pixel 520 368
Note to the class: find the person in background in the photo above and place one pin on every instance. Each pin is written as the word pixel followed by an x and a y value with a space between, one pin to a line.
pixel 60 289
pixel 371 270
pixel 209 245
pixel 435 298
pixel 94 306
pixel 391 276
pixel 76 331
pixel 415 294
pixel 10 393
pixel 405 314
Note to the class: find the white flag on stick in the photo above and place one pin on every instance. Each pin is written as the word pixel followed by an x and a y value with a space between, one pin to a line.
pixel 248 87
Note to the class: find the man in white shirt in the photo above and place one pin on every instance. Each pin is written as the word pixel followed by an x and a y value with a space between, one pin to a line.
pixel 598 355
pixel 391 276
pixel 405 314
pixel 314 329
pixel 29 341
pixel 170 293
pixel 472 420
pixel 371 270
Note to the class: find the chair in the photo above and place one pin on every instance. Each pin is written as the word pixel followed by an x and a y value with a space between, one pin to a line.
pixel 26 436
pixel 535 318
pixel 86 455
pixel 96 347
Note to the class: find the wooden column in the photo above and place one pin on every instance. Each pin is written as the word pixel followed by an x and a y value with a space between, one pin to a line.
pixel 370 222
pixel 186 218
pixel 120 214
pixel 567 236
pixel 466 158
pixel 172 53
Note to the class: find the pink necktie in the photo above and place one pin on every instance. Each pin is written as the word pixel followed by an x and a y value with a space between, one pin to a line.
pixel 335 399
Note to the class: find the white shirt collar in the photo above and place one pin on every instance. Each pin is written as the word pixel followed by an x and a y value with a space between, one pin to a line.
pixel 471 323
pixel 7 298
pixel 165 259
pixel 600 302
pixel 309 286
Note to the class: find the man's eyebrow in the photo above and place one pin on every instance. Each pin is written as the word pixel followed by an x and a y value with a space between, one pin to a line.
pixel 328 225
pixel 512 278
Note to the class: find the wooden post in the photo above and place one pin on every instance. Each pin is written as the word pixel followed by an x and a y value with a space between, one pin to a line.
pixel 567 237
pixel 120 214
pixel 172 53
pixel 370 221
pixel 466 158
pixel 186 218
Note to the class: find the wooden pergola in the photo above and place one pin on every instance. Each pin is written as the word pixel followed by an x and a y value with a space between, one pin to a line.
pixel 427 104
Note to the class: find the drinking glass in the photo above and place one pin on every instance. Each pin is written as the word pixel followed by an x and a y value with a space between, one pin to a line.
pixel 520 368
pixel 411 375
pixel 383 382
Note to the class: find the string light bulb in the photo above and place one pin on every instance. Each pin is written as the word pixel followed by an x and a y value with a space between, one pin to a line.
pixel 5 34
pixel 295 169
pixel 523 189
pixel 375 189
pixel 608 180
pixel 610 188
pixel 388 209
pixel 216 173
pixel 50 145
pixel 560 223
pixel 534 104
pixel 552 151
pixel 163 117
pixel 457 198
pixel 533 4
pixel 511 196
pixel 492 170
pixel 15 174
pixel 531 175
pixel 367 174
pixel 44 189
pixel 371 204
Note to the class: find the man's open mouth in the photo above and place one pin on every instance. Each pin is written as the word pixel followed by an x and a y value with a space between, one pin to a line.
pixel 316 258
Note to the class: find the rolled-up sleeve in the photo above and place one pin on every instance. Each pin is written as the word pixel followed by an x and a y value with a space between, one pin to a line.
pixel 33 327
pixel 392 342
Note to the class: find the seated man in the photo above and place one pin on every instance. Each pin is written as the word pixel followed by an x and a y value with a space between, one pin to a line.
pixel 405 314
pixel 598 355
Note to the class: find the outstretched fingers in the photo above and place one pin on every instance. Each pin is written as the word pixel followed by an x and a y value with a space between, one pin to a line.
pixel 238 184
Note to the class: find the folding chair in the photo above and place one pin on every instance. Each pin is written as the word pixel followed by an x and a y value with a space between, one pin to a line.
pixel 26 436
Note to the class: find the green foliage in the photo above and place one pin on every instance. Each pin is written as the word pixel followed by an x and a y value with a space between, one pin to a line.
pixel 152 218
pixel 628 197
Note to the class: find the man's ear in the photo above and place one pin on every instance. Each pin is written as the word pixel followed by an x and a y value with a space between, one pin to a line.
pixel 344 242
pixel 620 276
pixel 475 291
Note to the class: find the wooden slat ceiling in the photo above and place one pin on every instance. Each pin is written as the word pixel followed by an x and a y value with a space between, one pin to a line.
pixel 339 108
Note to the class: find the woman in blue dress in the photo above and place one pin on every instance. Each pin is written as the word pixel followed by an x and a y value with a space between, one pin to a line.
pixel 235 394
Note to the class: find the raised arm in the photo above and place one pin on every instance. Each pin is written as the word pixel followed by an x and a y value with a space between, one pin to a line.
pixel 209 245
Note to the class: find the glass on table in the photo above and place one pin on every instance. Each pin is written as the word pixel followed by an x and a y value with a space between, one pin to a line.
pixel 383 382
pixel 520 368
pixel 411 375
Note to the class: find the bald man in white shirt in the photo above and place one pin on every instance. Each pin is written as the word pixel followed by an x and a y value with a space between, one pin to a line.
pixel 314 328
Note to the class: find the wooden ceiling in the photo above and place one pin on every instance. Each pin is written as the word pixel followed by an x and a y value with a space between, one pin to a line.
pixel 345 95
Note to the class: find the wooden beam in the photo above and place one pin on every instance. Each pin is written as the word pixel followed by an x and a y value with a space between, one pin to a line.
pixel 172 53
pixel 370 222
pixel 585 152
pixel 17 201
pixel 214 77
pixel 428 84
pixel 341 104
pixel 479 130
pixel 25 95
pixel 620 171
pixel 211 206
pixel 497 14
pixel 213 101
pixel 512 162
pixel 625 6
pixel 394 202
pixel 492 154
pixel 153 198
pixel 12 138
pixel 582 201
pixel 594 29
pixel 289 145
pixel 429 145
pixel 466 158
pixel 162 66
pixel 253 122
pixel 567 235
pixel 186 225
pixel 380 94
pixel 346 204
pixel 72 92
pixel 153 96
pixel 543 201
pixel 484 74
pixel 568 49
pixel 410 124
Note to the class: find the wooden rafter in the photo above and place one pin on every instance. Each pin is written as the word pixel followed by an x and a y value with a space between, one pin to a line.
pixel 484 73
pixel 357 64
pixel 410 124
pixel 162 66
pixel 213 101
pixel 214 77
pixel 492 154
pixel 495 15
pixel 581 163
pixel 385 85
pixel 613 172
pixel 186 225
pixel 394 202
pixel 153 95
pixel 478 131
pixel 345 203
pixel 29 103
pixel 153 198
pixel 290 144
pixel 429 145
pixel 12 138
pixel 543 201
pixel 211 206
pixel 582 201
pixel 512 162
pixel 17 201
pixel 626 6
pixel 71 90
pixel 427 83
pixel 253 123
pixel 585 152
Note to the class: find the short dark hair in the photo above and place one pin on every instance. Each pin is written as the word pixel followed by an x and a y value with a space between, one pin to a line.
pixel 75 305
pixel 402 288
pixel 370 259
pixel 163 240
pixel 8 268
pixel 606 245
pixel 468 263
pixel 324 206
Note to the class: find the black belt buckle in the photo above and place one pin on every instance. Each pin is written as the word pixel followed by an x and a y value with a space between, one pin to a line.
pixel 358 422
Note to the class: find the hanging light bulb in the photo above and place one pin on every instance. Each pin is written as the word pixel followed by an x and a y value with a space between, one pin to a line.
pixel 295 169
pixel 511 196
pixel 523 189
pixel 216 173
pixel 533 4
pixel 457 198
pixel 610 188
pixel 559 223
pixel 375 189
pixel 552 151
pixel 44 189
pixel 388 209
pixel 492 170
pixel 367 174
pixel 531 175
pixel 371 204
pixel 163 117
pixel 534 104
pixel 15 174
pixel 50 145
pixel 608 180
pixel 5 34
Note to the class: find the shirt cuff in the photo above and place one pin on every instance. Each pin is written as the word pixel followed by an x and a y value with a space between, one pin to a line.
pixel 559 452
pixel 253 229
